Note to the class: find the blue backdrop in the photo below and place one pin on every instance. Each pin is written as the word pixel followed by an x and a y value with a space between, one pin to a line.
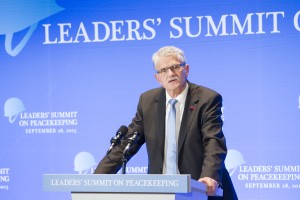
pixel 71 73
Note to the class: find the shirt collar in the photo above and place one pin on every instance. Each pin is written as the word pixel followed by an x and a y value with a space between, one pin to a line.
pixel 181 97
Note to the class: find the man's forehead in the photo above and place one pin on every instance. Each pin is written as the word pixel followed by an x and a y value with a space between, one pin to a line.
pixel 165 61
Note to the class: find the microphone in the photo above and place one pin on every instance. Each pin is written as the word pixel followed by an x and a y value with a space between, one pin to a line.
pixel 132 141
pixel 117 139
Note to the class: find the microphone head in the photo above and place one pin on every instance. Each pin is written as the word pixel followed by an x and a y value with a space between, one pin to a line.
pixel 136 134
pixel 138 130
pixel 116 140
pixel 122 130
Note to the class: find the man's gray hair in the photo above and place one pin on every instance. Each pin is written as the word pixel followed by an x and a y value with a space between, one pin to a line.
pixel 168 51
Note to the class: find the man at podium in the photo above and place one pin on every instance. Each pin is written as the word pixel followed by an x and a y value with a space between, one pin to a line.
pixel 181 125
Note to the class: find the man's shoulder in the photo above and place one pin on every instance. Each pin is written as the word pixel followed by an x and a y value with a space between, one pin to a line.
pixel 153 92
pixel 200 89
pixel 153 95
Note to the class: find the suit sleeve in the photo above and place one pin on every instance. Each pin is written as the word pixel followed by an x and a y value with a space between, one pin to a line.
pixel 214 143
pixel 112 163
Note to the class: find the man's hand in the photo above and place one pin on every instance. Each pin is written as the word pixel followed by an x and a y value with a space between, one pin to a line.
pixel 212 185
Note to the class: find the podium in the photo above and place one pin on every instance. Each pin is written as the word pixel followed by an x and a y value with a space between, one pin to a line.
pixel 127 186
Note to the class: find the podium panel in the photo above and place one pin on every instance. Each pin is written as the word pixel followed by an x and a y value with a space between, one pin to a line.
pixel 136 196
pixel 120 186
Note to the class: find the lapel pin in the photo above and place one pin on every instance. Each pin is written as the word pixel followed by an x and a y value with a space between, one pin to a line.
pixel 192 107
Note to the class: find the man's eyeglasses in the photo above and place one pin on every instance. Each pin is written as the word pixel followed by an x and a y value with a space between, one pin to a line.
pixel 173 68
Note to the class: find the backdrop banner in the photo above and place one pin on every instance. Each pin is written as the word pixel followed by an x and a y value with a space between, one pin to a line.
pixel 71 73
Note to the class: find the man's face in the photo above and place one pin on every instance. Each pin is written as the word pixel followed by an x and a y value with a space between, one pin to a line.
pixel 173 80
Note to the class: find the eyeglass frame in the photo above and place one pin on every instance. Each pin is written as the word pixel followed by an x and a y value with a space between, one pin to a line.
pixel 174 67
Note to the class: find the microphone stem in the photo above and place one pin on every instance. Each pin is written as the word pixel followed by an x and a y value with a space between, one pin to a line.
pixel 124 162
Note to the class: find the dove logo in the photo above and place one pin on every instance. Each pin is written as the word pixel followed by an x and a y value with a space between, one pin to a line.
pixel 12 108
pixel 233 160
pixel 19 15
pixel 84 163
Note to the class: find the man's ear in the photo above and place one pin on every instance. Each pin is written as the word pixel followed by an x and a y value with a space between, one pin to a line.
pixel 157 78
pixel 187 70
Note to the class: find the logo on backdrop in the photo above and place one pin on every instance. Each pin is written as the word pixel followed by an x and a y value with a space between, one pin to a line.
pixel 262 176
pixel 12 108
pixel 84 163
pixel 40 122
pixel 18 16
pixel 233 160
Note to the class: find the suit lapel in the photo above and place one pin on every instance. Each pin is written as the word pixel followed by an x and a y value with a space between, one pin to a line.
pixel 188 114
pixel 160 113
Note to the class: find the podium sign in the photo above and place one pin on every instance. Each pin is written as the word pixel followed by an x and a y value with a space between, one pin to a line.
pixel 115 186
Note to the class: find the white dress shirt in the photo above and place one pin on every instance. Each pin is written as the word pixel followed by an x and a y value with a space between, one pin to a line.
pixel 179 112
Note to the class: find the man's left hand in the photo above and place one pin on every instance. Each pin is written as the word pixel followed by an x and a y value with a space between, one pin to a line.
pixel 212 185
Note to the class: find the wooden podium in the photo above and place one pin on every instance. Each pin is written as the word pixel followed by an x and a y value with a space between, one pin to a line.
pixel 127 186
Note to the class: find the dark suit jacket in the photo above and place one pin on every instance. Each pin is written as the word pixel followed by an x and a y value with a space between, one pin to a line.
pixel 201 143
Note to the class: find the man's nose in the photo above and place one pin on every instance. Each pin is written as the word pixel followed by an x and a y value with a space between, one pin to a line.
pixel 171 71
